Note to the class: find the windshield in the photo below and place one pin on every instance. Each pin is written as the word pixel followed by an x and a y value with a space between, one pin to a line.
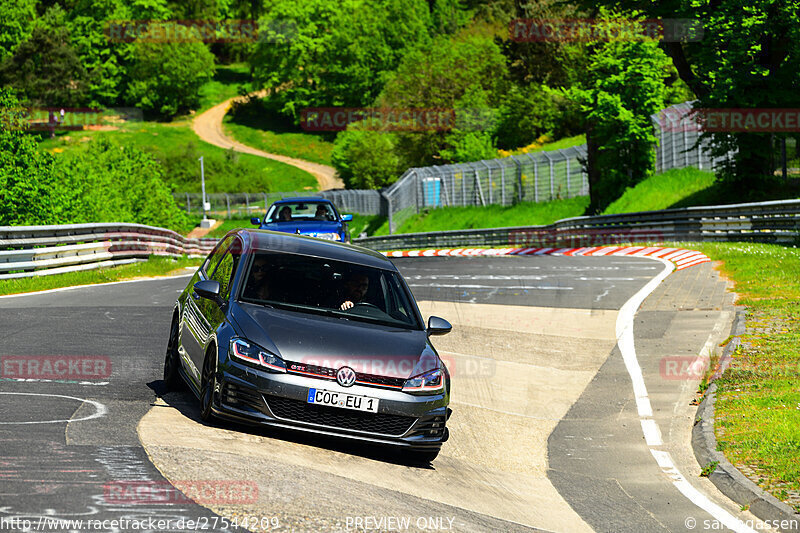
pixel 295 211
pixel 316 285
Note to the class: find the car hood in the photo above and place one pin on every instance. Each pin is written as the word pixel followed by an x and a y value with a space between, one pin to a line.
pixel 333 342
pixel 305 226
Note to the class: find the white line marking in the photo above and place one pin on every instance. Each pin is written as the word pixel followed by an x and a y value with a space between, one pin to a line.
pixel 626 345
pixel 100 409
pixel 652 435
pixel 515 287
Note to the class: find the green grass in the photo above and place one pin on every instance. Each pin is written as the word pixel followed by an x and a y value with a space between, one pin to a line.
pixel 662 191
pixel 229 224
pixel 686 187
pixel 225 84
pixel 256 125
pixel 155 266
pixel 178 148
pixel 306 146
pixel 758 397
pixel 495 216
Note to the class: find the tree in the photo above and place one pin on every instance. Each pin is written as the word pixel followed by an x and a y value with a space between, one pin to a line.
pixel 366 159
pixel 26 174
pixel 16 24
pixel 464 74
pixel 167 76
pixel 319 53
pixel 623 88
pixel 735 55
pixel 46 68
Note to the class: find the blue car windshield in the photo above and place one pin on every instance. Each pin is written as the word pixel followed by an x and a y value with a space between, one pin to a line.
pixel 317 285
pixel 298 211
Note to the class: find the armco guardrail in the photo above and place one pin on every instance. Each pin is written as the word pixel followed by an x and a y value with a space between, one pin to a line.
pixel 773 222
pixel 43 250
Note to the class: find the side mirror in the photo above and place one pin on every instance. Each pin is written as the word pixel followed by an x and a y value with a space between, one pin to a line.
pixel 347 218
pixel 438 326
pixel 208 289
pixel 255 221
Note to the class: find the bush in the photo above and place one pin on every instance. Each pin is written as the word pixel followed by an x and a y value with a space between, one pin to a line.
pixel 112 183
pixel 366 159
pixel 166 77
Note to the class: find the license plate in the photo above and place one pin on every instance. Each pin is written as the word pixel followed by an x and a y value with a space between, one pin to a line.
pixel 343 400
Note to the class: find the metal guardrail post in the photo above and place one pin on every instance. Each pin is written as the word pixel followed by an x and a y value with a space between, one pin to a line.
pixel 228 204
pixel 519 177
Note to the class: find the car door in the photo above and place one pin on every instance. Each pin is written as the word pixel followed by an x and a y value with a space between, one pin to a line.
pixel 194 329
pixel 211 315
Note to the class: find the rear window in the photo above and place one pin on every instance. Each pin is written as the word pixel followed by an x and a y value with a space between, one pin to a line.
pixel 315 285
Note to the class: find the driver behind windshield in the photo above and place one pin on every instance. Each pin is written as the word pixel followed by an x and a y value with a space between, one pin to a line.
pixel 354 290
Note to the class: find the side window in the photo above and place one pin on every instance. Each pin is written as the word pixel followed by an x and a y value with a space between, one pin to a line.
pixel 213 260
pixel 226 268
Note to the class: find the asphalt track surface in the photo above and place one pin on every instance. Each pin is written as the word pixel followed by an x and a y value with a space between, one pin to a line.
pixel 67 444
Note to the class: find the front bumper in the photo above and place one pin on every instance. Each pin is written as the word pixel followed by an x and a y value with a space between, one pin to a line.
pixel 254 396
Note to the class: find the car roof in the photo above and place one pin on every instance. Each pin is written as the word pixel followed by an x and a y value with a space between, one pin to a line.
pixel 257 239
pixel 303 199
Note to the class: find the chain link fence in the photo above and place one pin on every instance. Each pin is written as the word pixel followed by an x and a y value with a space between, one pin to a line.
pixel 679 143
pixel 246 205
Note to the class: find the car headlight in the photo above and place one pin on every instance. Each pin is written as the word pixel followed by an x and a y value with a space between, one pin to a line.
pixel 326 236
pixel 254 354
pixel 428 382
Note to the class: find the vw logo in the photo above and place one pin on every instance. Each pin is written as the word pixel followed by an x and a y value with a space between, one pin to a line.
pixel 346 376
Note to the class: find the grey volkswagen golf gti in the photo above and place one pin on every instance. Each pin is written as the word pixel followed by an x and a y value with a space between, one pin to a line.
pixel 317 336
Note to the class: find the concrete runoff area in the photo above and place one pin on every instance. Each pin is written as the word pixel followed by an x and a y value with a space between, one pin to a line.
pixel 494 464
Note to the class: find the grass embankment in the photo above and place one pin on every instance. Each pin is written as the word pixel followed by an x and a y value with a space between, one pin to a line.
pixel 256 125
pixel 495 216
pixel 227 83
pixel 758 396
pixel 662 191
pixel 176 146
pixel 155 266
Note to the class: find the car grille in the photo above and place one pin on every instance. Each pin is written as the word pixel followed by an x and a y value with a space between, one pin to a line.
pixel 340 418
pixel 242 397
pixel 322 372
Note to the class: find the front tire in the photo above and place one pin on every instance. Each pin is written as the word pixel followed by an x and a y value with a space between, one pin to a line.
pixel 172 362
pixel 208 385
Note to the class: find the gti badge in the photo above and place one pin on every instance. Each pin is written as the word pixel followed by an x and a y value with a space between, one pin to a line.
pixel 346 376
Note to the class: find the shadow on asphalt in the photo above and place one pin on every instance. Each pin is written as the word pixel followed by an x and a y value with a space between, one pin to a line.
pixel 189 406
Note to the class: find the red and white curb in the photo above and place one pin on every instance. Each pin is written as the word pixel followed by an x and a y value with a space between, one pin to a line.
pixel 680 257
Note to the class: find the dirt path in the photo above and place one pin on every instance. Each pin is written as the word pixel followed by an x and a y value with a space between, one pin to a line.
pixel 208 126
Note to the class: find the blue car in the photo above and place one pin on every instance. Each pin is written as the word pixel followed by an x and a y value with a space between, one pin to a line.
pixel 312 216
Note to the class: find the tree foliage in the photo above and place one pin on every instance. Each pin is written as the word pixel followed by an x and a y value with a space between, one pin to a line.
pixel 366 159
pixel 45 67
pixel 323 53
pixel 736 55
pixel 624 86
pixel 167 76
pixel 16 23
